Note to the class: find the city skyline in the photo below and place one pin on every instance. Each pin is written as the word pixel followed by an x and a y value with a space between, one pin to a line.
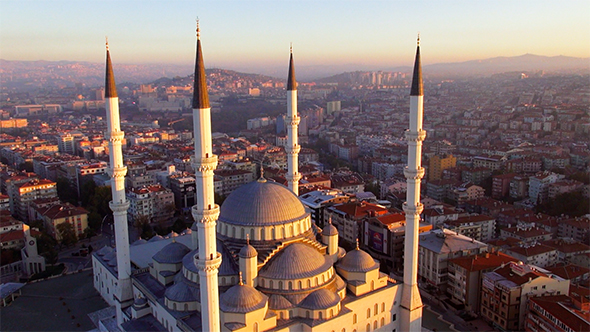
pixel 251 35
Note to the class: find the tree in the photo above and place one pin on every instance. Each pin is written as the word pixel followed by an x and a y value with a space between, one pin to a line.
pixel 65 191
pixel 66 233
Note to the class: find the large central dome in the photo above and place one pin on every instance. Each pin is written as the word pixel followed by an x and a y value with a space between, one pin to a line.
pixel 261 203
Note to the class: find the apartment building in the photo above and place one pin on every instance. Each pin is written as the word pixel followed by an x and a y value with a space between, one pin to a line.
pixel 505 293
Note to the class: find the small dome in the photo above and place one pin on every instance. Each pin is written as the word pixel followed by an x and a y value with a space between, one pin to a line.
pixel 138 242
pixel 140 302
pixel 104 251
pixel 358 261
pixel 320 299
pixel 330 230
pixel 182 291
pixel 172 253
pixel 296 261
pixel 156 238
pixel 111 255
pixel 242 299
pixel 277 302
pixel 248 251
pixel 262 203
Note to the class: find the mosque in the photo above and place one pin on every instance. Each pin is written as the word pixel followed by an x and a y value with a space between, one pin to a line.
pixel 258 262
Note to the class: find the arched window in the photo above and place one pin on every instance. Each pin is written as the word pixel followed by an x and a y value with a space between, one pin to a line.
pixel 354 319
pixel 280 284
pixel 382 306
pixel 316 281
pixel 368 328
pixel 280 315
pixel 290 285
pixel 271 284
pixel 376 309
pixel 374 325
pixel 186 307
pixel 255 327
pixel 369 313
pixel 306 313
pixel 308 283
pixel 233 231
pixel 372 285
pixel 382 322
pixel 331 313
pixel 261 282
pixel 251 233
pixel 262 233
pixel 300 285
pixel 320 315
pixel 173 306
pixel 242 233
pixel 291 230
pixel 343 330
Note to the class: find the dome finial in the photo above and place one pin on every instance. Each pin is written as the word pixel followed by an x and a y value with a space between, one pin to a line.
pixel 330 220
pixel 107 42
pixel 248 239
pixel 241 283
pixel 198 29
pixel 357 243
pixel 418 41
pixel 291 48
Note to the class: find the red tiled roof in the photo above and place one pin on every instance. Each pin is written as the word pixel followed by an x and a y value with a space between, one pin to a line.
pixel 482 261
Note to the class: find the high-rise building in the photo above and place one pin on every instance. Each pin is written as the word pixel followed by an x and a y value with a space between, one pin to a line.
pixel 437 164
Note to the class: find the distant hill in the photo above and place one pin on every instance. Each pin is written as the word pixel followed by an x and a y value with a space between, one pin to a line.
pixel 487 67
pixel 34 74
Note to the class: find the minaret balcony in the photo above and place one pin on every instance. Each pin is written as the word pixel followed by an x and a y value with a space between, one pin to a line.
pixel 294 121
pixel 115 136
pixel 409 209
pixel 117 172
pixel 293 149
pixel 414 174
pixel 293 178
pixel 415 136
pixel 206 164
pixel 207 216
pixel 119 207
pixel 208 264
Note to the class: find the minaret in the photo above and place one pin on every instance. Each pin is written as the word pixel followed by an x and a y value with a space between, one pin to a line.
pixel 411 303
pixel 119 204
pixel 205 212
pixel 292 123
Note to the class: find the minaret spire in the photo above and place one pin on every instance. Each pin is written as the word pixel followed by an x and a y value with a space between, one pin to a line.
pixel 119 204
pixel 411 303
pixel 110 88
pixel 205 212
pixel 417 85
pixel 292 123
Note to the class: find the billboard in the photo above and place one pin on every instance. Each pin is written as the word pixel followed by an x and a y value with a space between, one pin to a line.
pixel 376 240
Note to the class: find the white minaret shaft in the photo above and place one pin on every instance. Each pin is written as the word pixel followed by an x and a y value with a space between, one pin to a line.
pixel 292 123
pixel 119 204
pixel 411 304
pixel 205 212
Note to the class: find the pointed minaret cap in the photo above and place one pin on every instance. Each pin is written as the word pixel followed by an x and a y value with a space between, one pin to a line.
pixel 417 86
pixel 291 82
pixel 110 89
pixel 200 95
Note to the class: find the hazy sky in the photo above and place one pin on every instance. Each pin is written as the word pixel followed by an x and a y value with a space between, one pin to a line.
pixel 250 34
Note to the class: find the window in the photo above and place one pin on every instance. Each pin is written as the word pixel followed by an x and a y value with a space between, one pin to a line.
pixel 369 313
pixel 368 328
pixel 382 322
pixel 383 307
pixel 394 317
pixel 375 310
pixel 354 319
pixel 375 325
